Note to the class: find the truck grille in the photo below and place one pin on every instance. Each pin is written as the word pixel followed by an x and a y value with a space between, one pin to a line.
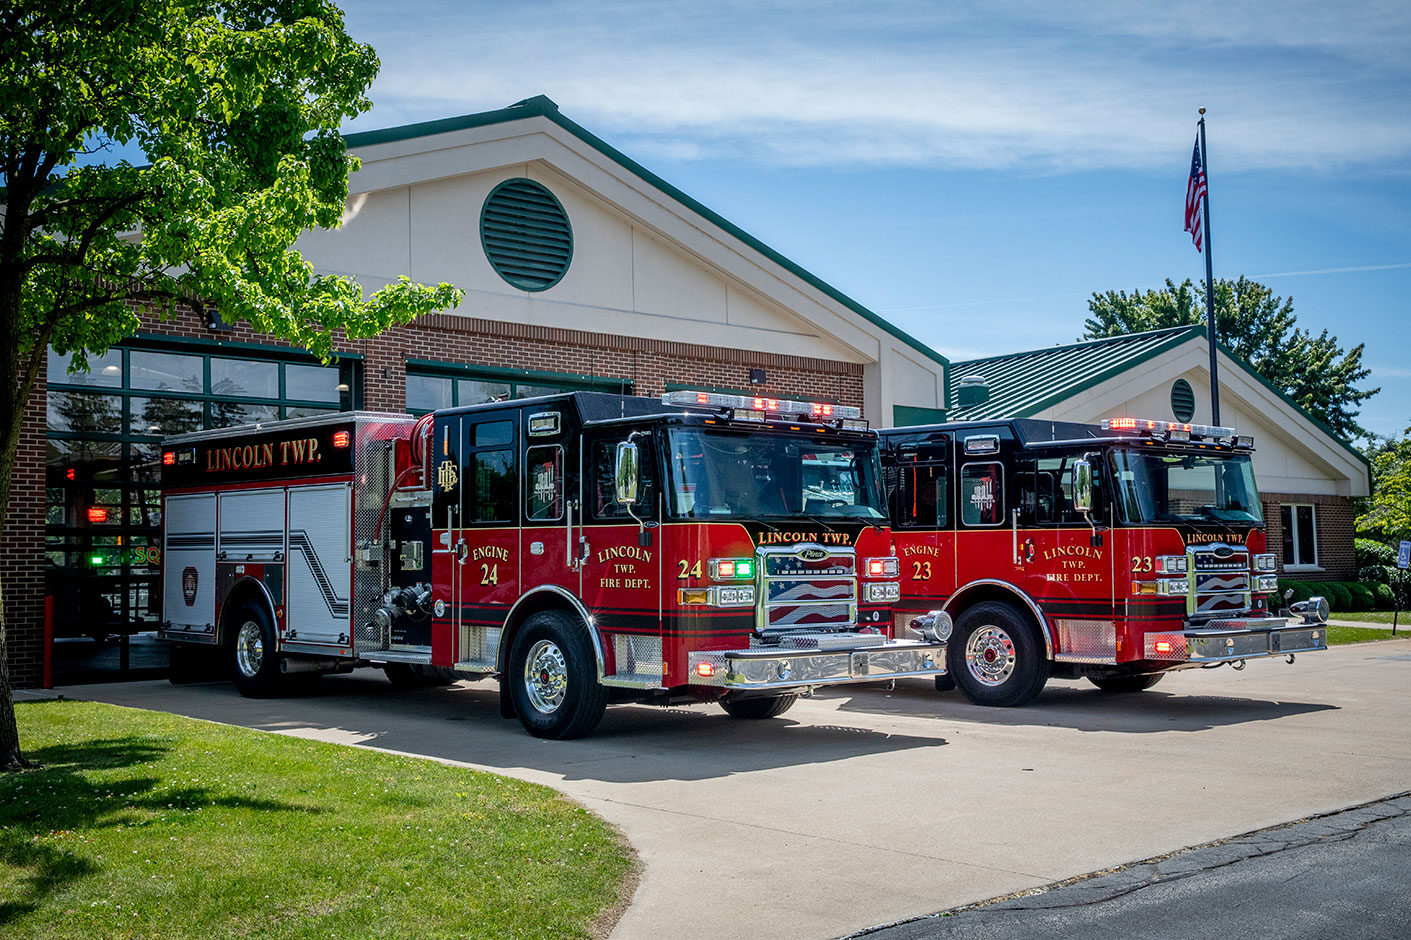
pixel 807 587
pixel 1219 581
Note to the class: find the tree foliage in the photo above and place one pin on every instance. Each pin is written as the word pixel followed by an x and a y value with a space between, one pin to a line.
pixel 1386 513
pixel 1258 327
pixel 237 104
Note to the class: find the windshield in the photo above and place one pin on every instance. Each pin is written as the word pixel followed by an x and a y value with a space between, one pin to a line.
pixel 1153 487
pixel 744 474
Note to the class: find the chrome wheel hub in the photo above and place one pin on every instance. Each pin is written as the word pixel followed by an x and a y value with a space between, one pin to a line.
pixel 249 649
pixel 545 677
pixel 989 655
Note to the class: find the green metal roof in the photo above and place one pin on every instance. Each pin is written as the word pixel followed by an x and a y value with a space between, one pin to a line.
pixel 542 106
pixel 1024 384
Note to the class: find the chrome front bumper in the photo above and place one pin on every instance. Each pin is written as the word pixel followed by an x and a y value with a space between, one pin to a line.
pixel 778 667
pixel 1230 640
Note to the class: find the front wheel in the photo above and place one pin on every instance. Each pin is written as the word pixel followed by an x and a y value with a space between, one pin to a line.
pixel 997 656
pixel 1125 684
pixel 763 706
pixel 553 680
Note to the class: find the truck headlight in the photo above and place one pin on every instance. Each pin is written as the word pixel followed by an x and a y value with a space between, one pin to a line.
pixel 1266 583
pixel 1162 587
pixel 889 567
pixel 1266 562
pixel 1171 564
pixel 881 591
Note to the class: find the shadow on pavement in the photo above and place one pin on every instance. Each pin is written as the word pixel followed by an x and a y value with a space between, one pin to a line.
pixel 1072 705
pixel 634 743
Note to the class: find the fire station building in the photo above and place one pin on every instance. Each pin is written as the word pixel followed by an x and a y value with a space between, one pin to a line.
pixel 1307 476
pixel 581 270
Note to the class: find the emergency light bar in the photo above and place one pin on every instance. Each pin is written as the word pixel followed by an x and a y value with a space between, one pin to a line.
pixel 1175 431
pixel 766 406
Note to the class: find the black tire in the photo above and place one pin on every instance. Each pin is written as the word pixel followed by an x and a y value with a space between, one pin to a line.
pixel 1125 684
pixel 553 677
pixel 250 650
pixel 945 683
pixel 996 656
pixel 764 706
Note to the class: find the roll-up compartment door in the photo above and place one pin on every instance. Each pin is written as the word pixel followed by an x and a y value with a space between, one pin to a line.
pixel 189 562
pixel 319 565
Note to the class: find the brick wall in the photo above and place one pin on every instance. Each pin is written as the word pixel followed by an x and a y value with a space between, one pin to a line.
pixel 649 364
pixel 1332 521
pixel 22 553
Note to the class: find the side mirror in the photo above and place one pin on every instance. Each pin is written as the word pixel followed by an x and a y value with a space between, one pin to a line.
pixel 1082 486
pixel 625 472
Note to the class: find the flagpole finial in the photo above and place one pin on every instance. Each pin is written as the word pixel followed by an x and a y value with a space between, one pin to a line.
pixel 1202 110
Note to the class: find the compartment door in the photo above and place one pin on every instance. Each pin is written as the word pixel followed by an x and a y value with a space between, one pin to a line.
pixel 320 565
pixel 189 563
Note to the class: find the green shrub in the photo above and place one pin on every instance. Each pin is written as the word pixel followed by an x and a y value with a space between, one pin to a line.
pixel 1362 597
pixel 1375 574
pixel 1385 599
pixel 1372 552
pixel 1338 596
pixel 1301 590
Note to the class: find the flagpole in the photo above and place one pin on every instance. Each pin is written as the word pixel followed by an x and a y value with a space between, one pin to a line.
pixel 1209 280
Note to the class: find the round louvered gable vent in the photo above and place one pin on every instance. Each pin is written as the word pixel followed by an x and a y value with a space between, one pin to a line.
pixel 1182 400
pixel 526 234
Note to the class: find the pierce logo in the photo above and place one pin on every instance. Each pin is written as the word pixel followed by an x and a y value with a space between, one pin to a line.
pixel 446 475
pixel 188 586
pixel 813 554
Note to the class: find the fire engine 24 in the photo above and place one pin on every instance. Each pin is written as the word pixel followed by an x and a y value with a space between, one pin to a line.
pixel 1116 553
pixel 582 547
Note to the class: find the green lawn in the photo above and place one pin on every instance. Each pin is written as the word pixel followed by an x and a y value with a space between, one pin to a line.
pixel 1373 616
pixel 142 824
pixel 1339 636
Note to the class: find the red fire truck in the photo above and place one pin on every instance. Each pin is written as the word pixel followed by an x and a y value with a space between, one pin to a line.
pixel 1116 553
pixel 583 548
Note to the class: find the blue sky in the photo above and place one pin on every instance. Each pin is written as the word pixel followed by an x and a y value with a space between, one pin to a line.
pixel 974 172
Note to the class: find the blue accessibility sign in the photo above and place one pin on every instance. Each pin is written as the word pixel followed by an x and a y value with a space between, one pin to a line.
pixel 1403 558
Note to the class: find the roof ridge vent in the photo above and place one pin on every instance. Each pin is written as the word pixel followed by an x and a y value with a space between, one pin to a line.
pixel 972 390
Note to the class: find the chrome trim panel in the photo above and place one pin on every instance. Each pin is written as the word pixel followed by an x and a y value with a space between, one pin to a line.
pixel 785 668
pixel 638 662
pixel 1200 645
pixel 1086 641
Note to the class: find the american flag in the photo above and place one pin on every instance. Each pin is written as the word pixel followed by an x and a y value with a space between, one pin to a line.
pixel 1195 191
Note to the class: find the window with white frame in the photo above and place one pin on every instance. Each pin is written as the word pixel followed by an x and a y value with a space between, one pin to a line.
pixel 1300 535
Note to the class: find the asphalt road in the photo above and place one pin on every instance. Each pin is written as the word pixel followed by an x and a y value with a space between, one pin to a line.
pixel 864 806
pixel 1338 876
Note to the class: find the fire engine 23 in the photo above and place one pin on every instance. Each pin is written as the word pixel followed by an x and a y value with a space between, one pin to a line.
pixel 582 547
pixel 1116 553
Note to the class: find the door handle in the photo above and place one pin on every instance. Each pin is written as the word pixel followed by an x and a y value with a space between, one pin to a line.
pixel 462 550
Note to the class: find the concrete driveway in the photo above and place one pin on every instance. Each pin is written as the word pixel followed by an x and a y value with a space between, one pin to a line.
pixel 866 806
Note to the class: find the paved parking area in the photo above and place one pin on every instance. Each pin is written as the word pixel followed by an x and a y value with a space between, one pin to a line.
pixel 867 806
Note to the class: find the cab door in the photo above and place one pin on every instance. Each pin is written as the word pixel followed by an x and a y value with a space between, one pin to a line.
pixel 923 527
pixel 486 545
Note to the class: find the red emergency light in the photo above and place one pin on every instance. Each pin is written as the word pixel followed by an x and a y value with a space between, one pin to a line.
pixel 97 514
pixel 169 458
pixel 705 670
pixel 69 474
pixel 340 439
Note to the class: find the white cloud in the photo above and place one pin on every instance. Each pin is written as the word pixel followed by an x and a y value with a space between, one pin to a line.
pixel 1025 85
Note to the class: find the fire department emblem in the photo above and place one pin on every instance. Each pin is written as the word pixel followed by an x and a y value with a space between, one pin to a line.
pixel 446 476
pixel 188 586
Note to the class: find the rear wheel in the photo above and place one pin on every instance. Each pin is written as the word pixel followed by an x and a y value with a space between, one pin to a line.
pixel 763 706
pixel 996 656
pixel 254 664
pixel 553 678
pixel 1124 684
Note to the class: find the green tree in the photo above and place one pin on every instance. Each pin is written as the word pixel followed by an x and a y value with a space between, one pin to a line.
pixel 1386 514
pixel 1258 327
pixel 237 104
